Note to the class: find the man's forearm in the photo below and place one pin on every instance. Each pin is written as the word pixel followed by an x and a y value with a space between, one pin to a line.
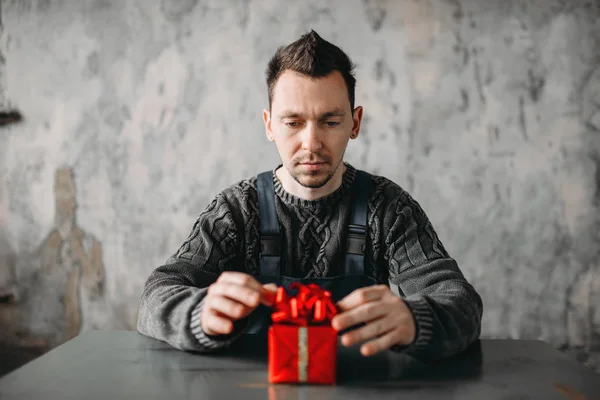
pixel 447 312
pixel 170 310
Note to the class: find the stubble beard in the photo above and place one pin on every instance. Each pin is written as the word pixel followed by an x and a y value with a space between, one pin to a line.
pixel 314 182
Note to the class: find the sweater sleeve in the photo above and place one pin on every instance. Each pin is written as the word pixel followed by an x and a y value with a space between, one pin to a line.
pixel 173 295
pixel 446 308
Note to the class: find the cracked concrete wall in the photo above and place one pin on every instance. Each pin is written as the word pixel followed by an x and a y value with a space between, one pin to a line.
pixel 136 113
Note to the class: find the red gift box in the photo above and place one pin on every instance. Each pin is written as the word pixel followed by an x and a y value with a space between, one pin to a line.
pixel 302 343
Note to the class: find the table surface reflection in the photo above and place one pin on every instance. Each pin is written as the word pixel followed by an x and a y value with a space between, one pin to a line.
pixel 125 364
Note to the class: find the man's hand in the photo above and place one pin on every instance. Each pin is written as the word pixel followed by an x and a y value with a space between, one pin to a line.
pixel 232 297
pixel 388 319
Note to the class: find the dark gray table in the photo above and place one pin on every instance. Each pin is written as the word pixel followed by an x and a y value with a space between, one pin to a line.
pixel 115 365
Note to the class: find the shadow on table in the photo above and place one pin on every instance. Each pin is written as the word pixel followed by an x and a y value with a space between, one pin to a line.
pixel 12 358
pixel 399 370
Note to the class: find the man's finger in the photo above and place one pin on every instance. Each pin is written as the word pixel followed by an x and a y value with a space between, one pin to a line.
pixel 240 279
pixel 362 296
pixel 396 336
pixel 363 313
pixel 371 330
pixel 229 308
pixel 247 296
pixel 269 294
pixel 271 287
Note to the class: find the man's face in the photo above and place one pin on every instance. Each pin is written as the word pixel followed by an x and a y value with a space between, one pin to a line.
pixel 310 122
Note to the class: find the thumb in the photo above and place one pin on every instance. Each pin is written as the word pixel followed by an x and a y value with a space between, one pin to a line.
pixel 269 293
pixel 271 287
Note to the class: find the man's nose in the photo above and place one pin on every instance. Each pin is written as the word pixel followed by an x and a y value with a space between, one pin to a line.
pixel 311 139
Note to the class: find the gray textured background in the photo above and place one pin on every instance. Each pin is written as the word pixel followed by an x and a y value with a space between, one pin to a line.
pixel 136 113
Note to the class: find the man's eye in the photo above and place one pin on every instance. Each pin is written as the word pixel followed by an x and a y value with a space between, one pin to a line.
pixel 292 124
pixel 331 124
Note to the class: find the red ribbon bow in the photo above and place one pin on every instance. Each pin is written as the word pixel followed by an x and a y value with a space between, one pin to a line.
pixel 310 306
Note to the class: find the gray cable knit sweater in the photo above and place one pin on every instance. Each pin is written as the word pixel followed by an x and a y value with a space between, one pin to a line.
pixel 402 250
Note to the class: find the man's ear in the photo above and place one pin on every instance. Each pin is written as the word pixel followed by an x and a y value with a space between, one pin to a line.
pixel 267 121
pixel 357 115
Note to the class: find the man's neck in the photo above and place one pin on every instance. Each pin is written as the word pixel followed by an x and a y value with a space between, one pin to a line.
pixel 291 186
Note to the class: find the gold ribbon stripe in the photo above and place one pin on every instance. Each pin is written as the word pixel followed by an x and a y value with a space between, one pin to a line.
pixel 302 353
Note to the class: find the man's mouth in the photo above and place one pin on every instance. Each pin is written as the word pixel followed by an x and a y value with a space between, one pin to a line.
pixel 313 161
pixel 313 165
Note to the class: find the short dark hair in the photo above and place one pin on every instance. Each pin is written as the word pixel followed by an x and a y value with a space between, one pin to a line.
pixel 313 56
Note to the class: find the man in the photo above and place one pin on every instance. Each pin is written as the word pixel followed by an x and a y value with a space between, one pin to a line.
pixel 315 219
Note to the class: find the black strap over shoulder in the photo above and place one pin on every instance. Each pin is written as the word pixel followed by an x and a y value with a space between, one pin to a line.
pixel 270 237
pixel 357 229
